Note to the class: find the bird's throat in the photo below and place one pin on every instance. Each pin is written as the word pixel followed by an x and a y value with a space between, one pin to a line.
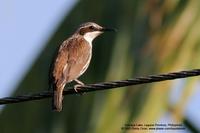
pixel 90 36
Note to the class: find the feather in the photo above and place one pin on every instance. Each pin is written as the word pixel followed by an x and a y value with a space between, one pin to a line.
pixel 72 60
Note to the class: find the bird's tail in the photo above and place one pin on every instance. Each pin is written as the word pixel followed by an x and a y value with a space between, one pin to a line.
pixel 57 99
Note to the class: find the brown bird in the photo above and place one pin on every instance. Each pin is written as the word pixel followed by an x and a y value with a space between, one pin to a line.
pixel 73 59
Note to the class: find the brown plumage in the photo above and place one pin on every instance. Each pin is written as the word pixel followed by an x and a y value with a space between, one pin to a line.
pixel 73 59
pixel 70 64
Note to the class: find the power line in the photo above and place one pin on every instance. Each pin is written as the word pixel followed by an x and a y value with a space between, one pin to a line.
pixel 104 86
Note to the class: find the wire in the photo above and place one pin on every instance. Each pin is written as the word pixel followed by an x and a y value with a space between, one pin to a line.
pixel 103 86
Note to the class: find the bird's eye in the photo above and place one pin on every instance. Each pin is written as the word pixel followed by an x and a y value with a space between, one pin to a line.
pixel 92 27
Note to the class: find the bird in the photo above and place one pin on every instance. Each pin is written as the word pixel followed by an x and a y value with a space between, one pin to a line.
pixel 72 59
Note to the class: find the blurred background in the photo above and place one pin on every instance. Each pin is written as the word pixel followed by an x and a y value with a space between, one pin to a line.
pixel 154 36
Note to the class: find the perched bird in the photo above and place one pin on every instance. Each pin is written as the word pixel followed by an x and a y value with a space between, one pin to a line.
pixel 73 59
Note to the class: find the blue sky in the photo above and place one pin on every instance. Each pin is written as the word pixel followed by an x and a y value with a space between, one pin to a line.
pixel 25 26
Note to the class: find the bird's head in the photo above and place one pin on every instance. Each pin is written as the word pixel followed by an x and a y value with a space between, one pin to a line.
pixel 91 30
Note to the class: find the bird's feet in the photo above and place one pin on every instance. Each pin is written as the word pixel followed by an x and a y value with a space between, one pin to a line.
pixel 77 87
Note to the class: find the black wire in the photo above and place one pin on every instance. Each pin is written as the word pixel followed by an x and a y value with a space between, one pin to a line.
pixel 104 86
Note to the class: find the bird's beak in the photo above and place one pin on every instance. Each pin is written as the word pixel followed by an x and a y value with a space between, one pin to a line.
pixel 108 29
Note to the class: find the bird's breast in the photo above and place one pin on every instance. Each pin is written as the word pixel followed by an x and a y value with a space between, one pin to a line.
pixel 80 53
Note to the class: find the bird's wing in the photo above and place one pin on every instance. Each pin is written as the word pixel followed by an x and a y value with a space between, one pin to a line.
pixel 72 58
pixel 60 62
pixel 78 60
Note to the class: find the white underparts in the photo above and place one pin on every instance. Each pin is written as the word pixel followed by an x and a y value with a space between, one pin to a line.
pixel 90 36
